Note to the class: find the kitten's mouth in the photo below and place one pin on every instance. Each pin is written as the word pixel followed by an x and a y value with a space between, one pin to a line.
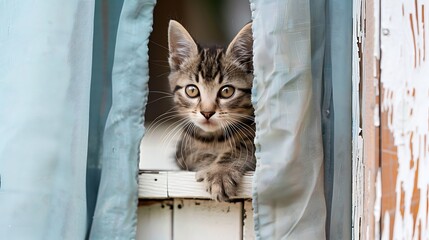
pixel 208 125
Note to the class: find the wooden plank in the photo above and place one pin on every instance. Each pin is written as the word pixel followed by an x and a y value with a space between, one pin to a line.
pixel 155 220
pixel 208 220
pixel 245 187
pixel 182 184
pixel 248 230
pixel 366 224
pixel 404 120
pixel 153 185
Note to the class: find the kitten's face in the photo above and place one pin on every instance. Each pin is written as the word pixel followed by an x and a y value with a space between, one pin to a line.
pixel 211 86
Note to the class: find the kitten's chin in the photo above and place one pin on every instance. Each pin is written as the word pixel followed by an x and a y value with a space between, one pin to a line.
pixel 208 126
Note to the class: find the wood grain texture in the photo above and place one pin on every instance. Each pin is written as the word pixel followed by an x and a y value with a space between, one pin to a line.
pixel 182 184
pixel 153 185
pixel 404 120
pixel 366 225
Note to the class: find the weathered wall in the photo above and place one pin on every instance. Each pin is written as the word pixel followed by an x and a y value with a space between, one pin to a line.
pixel 404 119
pixel 367 205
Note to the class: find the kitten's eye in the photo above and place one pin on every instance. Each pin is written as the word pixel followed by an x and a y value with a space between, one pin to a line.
pixel 226 92
pixel 192 91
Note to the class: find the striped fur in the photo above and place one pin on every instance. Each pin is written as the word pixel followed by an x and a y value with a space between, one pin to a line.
pixel 218 129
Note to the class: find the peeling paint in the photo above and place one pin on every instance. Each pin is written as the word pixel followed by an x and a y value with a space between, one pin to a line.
pixel 377 206
pixel 386 225
pixel 376 116
pixel 357 141
pixel 405 81
pixel 376 5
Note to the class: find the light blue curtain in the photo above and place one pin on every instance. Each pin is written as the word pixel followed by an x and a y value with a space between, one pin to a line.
pixel 57 86
pixel 45 76
pixel 115 213
pixel 337 117
pixel 106 19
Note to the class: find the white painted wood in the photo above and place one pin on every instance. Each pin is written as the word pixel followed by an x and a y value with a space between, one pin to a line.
pixel 153 185
pixel 248 230
pixel 358 73
pixel 183 185
pixel 208 220
pixel 405 103
pixel 155 220
pixel 245 187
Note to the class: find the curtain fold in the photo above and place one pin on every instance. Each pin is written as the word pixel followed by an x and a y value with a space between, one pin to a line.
pixel 106 20
pixel 288 194
pixel 115 213
pixel 302 94
pixel 338 79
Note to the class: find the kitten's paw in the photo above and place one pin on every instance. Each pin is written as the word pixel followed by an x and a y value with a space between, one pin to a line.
pixel 222 184
pixel 200 175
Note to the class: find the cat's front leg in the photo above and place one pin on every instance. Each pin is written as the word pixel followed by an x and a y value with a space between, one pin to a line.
pixel 221 181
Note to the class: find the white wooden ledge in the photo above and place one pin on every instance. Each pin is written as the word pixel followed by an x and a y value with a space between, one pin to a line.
pixel 182 184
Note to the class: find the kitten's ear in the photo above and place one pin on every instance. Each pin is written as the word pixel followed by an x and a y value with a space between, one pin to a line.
pixel 241 48
pixel 180 44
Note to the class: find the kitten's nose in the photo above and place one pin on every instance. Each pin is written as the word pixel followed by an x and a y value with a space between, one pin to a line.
pixel 207 115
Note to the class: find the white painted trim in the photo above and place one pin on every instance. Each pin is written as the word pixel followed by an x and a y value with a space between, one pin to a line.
pixel 248 221
pixel 359 41
pixel 208 220
pixel 182 184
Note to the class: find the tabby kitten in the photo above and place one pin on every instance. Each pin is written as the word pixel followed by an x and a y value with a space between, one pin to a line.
pixel 212 89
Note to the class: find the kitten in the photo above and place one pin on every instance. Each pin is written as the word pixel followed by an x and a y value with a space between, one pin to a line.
pixel 212 90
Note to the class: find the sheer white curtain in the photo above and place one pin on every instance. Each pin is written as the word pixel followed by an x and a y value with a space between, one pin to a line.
pixel 288 195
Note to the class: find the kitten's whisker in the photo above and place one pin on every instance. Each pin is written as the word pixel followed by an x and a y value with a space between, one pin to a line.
pixel 159 45
pixel 228 132
pixel 159 121
pixel 244 115
pixel 232 142
pixel 239 123
pixel 240 114
pixel 173 129
pixel 178 128
pixel 169 113
pixel 242 135
pixel 172 136
pixel 159 99
pixel 162 74
pixel 186 140
pixel 245 126
pixel 158 65
pixel 162 61
pixel 161 92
